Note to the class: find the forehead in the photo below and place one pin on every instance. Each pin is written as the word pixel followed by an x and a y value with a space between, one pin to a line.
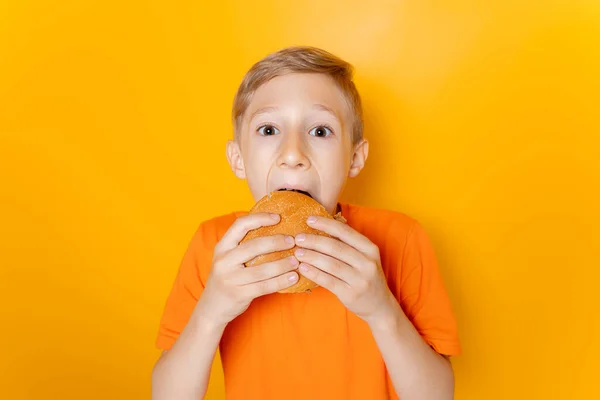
pixel 300 90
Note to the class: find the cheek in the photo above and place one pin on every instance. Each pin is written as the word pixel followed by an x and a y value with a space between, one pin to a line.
pixel 333 171
pixel 257 162
pixel 255 153
pixel 335 162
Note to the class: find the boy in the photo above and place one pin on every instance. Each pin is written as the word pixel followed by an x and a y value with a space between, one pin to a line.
pixel 379 325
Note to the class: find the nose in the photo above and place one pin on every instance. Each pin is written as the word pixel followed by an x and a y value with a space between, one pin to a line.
pixel 293 153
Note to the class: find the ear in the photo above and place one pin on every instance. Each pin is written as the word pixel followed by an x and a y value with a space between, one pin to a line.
pixel 234 156
pixel 359 157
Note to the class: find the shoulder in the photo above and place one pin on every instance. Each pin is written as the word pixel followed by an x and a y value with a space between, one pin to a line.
pixel 210 231
pixel 380 221
pixel 199 254
pixel 401 238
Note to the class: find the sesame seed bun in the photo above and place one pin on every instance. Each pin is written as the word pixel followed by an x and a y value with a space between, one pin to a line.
pixel 294 208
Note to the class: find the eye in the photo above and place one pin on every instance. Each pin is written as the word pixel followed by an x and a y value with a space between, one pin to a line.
pixel 321 131
pixel 267 130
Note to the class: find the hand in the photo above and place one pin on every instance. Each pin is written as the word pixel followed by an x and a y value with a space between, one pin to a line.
pixel 348 265
pixel 231 286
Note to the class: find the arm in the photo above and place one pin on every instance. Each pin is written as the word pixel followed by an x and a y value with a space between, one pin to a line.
pixel 350 267
pixel 183 372
pixel 416 370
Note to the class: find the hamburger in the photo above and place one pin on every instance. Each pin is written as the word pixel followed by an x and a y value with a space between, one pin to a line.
pixel 294 207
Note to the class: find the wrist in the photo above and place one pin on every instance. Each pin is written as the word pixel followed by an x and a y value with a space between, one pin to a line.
pixel 206 321
pixel 208 326
pixel 389 318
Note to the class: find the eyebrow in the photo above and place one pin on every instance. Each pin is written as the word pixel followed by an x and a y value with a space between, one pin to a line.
pixel 327 109
pixel 320 107
pixel 262 110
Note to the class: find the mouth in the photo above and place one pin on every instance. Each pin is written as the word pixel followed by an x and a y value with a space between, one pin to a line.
pixel 295 190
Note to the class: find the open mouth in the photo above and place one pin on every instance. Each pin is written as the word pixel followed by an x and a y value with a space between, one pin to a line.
pixel 296 190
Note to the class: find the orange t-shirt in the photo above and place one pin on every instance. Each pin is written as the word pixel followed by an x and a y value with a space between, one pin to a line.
pixel 308 345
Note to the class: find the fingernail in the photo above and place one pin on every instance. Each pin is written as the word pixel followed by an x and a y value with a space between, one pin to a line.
pixel 303 268
pixel 289 240
pixel 301 237
pixel 300 252
pixel 293 261
pixel 311 220
pixel 275 216
pixel 293 277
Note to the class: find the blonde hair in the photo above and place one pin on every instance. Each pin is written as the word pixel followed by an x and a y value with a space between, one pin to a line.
pixel 299 59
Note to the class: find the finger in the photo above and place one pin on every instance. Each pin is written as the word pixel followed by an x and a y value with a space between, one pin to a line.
pixel 328 264
pixel 332 247
pixel 346 234
pixel 322 278
pixel 264 271
pixel 243 225
pixel 257 246
pixel 269 286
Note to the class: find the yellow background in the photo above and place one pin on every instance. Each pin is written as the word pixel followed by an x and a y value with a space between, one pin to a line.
pixel 484 124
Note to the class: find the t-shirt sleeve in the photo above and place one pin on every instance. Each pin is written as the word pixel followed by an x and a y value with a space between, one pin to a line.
pixel 185 292
pixel 423 296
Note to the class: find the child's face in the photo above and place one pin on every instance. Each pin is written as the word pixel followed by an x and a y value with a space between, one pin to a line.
pixel 297 133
